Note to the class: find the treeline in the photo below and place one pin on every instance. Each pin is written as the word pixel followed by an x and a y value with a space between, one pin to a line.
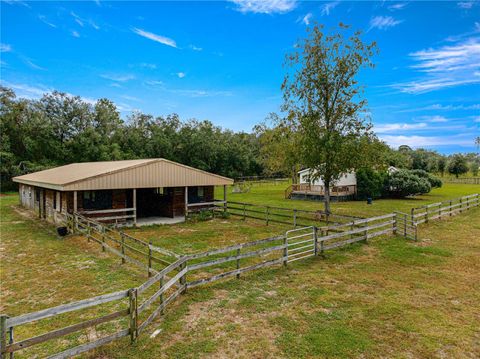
pixel 59 129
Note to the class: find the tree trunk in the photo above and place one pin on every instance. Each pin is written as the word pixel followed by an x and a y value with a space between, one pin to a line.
pixel 294 175
pixel 327 196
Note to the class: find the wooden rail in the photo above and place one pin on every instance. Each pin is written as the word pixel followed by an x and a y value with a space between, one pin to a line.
pixel 282 215
pixel 125 213
pixel 309 189
pixel 149 300
pixel 462 180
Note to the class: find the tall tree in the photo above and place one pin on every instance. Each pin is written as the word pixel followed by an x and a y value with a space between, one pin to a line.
pixel 458 165
pixel 324 100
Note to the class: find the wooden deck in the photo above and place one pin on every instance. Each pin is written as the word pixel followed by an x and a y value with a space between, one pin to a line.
pixel 308 191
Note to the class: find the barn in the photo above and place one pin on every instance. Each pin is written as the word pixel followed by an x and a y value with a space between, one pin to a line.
pixel 144 191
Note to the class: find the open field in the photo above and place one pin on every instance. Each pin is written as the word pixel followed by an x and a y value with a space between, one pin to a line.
pixel 388 298
pixel 274 195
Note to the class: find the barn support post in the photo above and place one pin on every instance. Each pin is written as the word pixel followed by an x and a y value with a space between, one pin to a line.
pixel 75 203
pixel 186 201
pixel 135 207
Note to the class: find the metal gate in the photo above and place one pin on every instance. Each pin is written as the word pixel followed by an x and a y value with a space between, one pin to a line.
pixel 406 226
pixel 301 243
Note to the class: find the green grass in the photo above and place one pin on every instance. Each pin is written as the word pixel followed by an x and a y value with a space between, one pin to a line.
pixel 387 298
pixel 274 195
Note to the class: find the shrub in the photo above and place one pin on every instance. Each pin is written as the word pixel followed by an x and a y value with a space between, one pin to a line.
pixel 370 183
pixel 404 183
pixel 435 182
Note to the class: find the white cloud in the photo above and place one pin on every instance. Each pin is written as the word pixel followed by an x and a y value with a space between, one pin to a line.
pixel 476 119
pixel 77 19
pixel 154 83
pixel 427 141
pixel 27 91
pixel 118 78
pixel 265 6
pixel 148 66
pixel 43 19
pixel 446 66
pixel 131 98
pixel 434 119
pixel 181 75
pixel 326 8
pixel 389 127
pixel 31 64
pixel 305 19
pixel 465 4
pixel 154 37
pixel 383 22
pixel 199 93
pixel 195 48
pixel 75 34
pixel 5 48
pixel 397 6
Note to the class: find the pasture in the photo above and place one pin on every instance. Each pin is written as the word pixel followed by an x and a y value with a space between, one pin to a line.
pixel 389 297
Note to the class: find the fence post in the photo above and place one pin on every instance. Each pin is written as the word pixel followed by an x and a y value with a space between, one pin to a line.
pixel 149 258
pixel 122 244
pixel 294 218
pixel 405 225
pixel 183 278
pixel 285 250
pixel 103 239
pixel 321 242
pixel 426 214
pixel 395 224
pixel 450 208
pixel 315 240
pixel 162 279
pixel 461 205
pixel 133 311
pixel 238 263
pixel 10 341
pixel 244 214
pixel 3 334
pixel 412 211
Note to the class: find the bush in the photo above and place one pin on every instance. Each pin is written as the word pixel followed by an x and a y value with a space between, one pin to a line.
pixel 435 182
pixel 370 183
pixel 405 183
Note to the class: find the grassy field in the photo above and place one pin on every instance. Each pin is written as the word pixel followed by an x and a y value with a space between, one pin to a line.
pixel 274 195
pixel 389 298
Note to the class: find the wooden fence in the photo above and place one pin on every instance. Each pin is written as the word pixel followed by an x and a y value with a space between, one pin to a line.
pixel 147 301
pixel 448 208
pixel 289 216
pixel 463 180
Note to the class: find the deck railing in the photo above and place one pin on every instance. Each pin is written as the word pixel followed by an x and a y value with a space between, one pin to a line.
pixel 306 188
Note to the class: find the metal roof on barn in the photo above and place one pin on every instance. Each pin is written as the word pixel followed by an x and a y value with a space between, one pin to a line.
pixel 144 173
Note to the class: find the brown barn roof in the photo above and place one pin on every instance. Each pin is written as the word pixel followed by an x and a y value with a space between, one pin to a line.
pixel 145 173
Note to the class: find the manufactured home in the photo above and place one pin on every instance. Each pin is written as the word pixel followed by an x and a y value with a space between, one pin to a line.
pixel 342 189
pixel 135 192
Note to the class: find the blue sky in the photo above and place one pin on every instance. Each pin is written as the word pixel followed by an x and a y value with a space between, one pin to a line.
pixel 222 61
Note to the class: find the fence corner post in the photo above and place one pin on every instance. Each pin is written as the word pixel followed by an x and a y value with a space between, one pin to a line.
pixel 315 240
pixel 3 334
pixel 183 278
pixel 133 311
pixel 285 251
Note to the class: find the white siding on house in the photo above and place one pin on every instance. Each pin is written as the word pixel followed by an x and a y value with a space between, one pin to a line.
pixel 347 179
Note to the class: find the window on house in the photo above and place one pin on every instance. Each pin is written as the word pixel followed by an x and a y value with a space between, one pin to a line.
pixel 37 195
pixel 200 192
pixel 160 191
